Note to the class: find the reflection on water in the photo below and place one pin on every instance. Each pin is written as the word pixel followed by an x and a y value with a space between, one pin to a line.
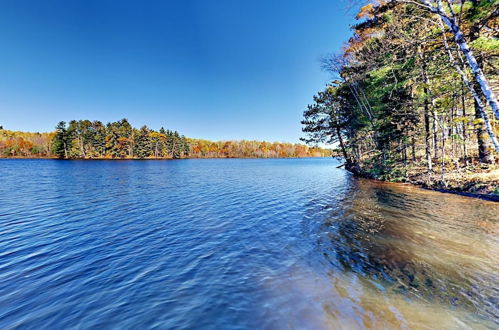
pixel 417 256
pixel 239 244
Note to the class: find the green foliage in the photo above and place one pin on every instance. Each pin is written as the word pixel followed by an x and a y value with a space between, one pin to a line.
pixel 86 139
pixel 36 150
pixel 400 102
pixel 142 146
pixel 478 10
pixel 486 44
pixel 385 169
pixel 61 142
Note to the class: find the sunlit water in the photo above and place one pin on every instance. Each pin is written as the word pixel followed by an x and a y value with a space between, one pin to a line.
pixel 238 244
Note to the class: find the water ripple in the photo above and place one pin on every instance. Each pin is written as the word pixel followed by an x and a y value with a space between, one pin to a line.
pixel 238 244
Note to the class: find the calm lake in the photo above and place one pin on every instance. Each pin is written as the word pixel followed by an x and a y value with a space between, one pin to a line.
pixel 238 244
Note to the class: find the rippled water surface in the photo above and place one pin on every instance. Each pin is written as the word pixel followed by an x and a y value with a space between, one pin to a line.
pixel 238 244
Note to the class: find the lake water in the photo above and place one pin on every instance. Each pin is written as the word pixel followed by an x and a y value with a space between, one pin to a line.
pixel 238 244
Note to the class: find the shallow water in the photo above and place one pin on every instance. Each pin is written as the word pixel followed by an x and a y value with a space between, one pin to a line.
pixel 238 244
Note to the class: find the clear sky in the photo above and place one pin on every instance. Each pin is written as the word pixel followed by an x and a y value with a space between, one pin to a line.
pixel 214 69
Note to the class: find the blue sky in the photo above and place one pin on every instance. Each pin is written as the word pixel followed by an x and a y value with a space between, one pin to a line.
pixel 214 69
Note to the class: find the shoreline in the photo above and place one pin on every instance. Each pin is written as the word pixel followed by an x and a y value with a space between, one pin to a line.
pixel 487 197
pixel 162 158
pixel 462 189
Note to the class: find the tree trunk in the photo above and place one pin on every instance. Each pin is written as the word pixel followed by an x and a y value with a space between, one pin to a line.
pixel 413 148
pixel 464 128
pixel 443 154
pixel 65 150
pixel 435 133
pixel 342 145
pixel 426 114
pixel 427 136
pixel 82 147
pixel 484 152
pixel 454 28
pixel 480 112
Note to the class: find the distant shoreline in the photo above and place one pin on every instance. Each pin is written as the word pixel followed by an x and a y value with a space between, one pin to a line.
pixel 84 139
pixel 160 158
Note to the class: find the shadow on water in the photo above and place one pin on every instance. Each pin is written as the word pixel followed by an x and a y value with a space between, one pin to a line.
pixel 420 245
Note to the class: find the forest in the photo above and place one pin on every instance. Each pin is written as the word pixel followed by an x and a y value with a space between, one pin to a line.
pixel 253 149
pixel 413 92
pixel 85 139
pixel 25 144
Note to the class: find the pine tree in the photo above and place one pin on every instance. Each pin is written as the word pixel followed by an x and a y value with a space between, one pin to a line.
pixel 61 142
pixel 143 146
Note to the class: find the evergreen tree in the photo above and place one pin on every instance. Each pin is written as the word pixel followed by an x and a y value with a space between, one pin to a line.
pixel 61 142
pixel 143 146
pixel 403 92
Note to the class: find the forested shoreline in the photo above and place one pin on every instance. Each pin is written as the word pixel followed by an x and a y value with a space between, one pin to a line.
pixel 413 95
pixel 85 139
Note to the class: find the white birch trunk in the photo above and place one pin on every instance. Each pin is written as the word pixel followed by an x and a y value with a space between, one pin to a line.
pixel 470 58
pixel 467 83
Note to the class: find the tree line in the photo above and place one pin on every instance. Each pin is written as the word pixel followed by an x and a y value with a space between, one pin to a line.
pixel 25 144
pixel 92 139
pixel 253 149
pixel 414 88
pixel 85 139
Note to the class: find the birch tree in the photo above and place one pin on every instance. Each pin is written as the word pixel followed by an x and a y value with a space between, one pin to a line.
pixel 452 22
